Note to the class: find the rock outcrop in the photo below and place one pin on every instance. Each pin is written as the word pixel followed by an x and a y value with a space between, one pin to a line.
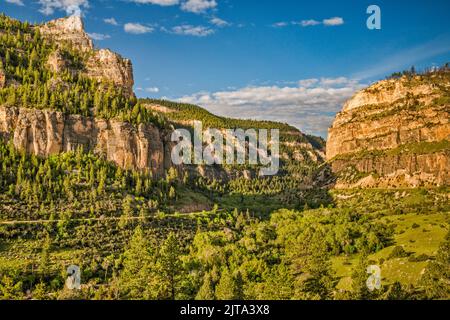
pixel 68 30
pixel 100 64
pixel 105 64
pixel 47 132
pixel 394 133
pixel 2 78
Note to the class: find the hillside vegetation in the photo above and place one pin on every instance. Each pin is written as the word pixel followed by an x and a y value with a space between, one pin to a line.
pixel 192 236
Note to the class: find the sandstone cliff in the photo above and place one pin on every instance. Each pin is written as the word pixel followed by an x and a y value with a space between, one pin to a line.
pixel 46 132
pixel 394 133
pixel 100 64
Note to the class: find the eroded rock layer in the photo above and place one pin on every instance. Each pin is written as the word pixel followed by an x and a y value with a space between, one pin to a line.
pixel 47 132
pixel 394 133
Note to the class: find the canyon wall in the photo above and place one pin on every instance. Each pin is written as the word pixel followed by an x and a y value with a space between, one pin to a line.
pixel 394 133
pixel 47 132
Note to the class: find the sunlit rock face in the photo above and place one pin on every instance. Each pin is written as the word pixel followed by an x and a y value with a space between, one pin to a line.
pixel 70 29
pixel 102 64
pixel 47 132
pixel 394 133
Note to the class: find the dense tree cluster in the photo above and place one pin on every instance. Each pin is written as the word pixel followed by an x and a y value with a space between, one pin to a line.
pixel 76 176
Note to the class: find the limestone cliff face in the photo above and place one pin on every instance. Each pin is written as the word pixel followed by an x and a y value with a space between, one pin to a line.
pixel 46 132
pixel 70 29
pixel 394 133
pixel 100 64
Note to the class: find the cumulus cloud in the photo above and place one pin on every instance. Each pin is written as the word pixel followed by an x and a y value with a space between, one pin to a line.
pixel 17 2
pixel 308 23
pixel 189 30
pixel 99 36
pixel 71 7
pixel 152 89
pixel 111 21
pixel 163 3
pixel 137 28
pixel 310 106
pixel 336 21
pixel 219 22
pixel 198 6
pixel 280 24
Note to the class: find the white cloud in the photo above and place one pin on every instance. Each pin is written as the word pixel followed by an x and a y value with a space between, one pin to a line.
pixel 189 30
pixel 308 23
pixel 307 82
pixel 280 24
pixel 152 89
pixel 198 6
pixel 17 2
pixel 310 106
pixel 163 3
pixel 111 21
pixel 99 36
pixel 219 22
pixel 336 21
pixel 71 7
pixel 137 28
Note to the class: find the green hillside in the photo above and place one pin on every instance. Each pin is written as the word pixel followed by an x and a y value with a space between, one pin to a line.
pixel 185 236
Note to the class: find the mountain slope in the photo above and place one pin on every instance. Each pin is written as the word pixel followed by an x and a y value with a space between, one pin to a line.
pixel 394 133
pixel 59 93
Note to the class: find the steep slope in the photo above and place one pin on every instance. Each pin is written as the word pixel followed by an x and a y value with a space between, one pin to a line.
pixel 59 93
pixel 394 133
pixel 48 132
pixel 295 146
pixel 100 64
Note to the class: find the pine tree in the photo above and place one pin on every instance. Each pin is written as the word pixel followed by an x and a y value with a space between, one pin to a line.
pixel 169 266
pixel 436 279
pixel 312 266
pixel 228 288
pixel 136 276
pixel 206 291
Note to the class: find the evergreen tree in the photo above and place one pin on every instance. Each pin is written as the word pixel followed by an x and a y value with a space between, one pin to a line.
pixel 136 276
pixel 436 279
pixel 206 291
pixel 228 288
pixel 169 266
pixel 312 266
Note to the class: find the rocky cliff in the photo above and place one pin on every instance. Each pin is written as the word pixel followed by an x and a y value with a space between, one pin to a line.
pixel 47 132
pixel 394 133
pixel 100 64
pixel 63 109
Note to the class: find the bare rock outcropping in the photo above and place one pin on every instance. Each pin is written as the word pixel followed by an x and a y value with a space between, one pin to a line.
pixel 47 132
pixel 2 78
pixel 102 64
pixel 394 133
pixel 68 30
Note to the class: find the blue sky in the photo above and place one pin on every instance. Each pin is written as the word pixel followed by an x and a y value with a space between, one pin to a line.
pixel 287 60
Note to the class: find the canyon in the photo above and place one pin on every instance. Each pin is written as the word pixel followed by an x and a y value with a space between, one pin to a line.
pixel 394 133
